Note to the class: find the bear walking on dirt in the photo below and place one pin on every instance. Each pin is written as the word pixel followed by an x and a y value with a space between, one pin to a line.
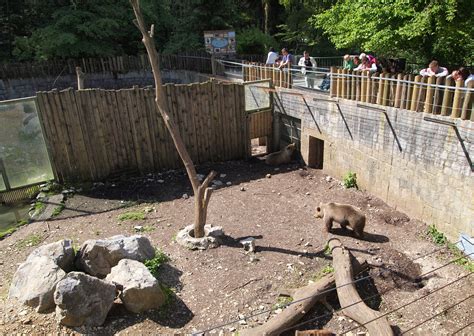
pixel 281 157
pixel 344 214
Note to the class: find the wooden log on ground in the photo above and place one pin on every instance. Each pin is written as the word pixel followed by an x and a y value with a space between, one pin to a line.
pixel 317 291
pixel 348 295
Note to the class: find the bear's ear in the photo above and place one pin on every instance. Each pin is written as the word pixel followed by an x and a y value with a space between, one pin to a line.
pixel 318 209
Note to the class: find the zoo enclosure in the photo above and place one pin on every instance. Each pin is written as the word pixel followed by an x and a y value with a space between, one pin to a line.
pixel 94 133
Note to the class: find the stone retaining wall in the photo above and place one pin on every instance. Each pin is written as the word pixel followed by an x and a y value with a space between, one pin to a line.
pixel 429 179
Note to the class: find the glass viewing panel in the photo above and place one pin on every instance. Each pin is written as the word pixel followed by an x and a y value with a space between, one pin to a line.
pixel 256 97
pixel 22 146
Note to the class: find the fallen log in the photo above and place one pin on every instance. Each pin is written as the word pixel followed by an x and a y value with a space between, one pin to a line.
pixel 317 291
pixel 348 295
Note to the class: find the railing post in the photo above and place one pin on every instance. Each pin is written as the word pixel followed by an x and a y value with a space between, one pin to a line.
pixel 386 90
pixel 339 82
pixel 429 95
pixel 333 84
pixel 414 94
pixel 290 76
pixel 447 97
pixel 353 84
pixel 398 91
pixel 343 83
pixel 437 96
pixel 467 105
pixel 363 87
pixel 380 90
pixel 368 91
pixel 457 100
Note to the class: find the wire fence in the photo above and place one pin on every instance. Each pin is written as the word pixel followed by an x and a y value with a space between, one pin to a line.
pixel 360 279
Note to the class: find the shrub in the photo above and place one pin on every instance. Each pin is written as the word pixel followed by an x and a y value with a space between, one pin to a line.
pixel 154 264
pixel 350 180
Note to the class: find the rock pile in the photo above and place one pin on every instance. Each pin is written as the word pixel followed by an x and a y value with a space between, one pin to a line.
pixel 55 277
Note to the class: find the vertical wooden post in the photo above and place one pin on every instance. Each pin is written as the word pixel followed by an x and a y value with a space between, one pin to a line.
pixel 467 105
pixel 333 85
pixel 80 78
pixel 290 76
pixel 381 89
pixel 339 82
pixel 415 92
pixel 398 91
pixel 368 92
pixel 447 97
pixel 437 96
pixel 353 84
pixel 457 100
pixel 344 81
pixel 363 87
pixel 429 95
pixel 386 90
pixel 358 93
pixel 420 100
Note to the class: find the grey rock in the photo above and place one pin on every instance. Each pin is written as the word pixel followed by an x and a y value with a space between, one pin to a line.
pixel 217 183
pixel 141 291
pixel 61 252
pixel 97 257
pixel 83 300
pixel 34 283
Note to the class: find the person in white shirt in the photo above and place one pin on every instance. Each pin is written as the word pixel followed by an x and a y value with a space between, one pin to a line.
pixel 366 64
pixel 272 57
pixel 434 70
pixel 308 63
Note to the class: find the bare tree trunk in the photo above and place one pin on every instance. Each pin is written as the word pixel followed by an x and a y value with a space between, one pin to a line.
pixel 80 78
pixel 315 292
pixel 266 10
pixel 202 192
pixel 348 296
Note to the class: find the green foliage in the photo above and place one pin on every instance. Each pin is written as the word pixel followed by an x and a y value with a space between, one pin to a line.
pixel 32 240
pixel 327 250
pixel 255 41
pixel 282 302
pixel 437 237
pixel 328 269
pixel 154 264
pixel 416 29
pixel 350 180
pixel 58 210
pixel 132 215
pixel 462 259
pixel 39 206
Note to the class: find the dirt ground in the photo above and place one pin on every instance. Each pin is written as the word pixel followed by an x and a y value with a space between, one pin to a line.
pixel 220 286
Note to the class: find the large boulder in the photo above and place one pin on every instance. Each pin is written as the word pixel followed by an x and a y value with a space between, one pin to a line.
pixel 83 300
pixel 61 252
pixel 97 257
pixel 35 281
pixel 140 289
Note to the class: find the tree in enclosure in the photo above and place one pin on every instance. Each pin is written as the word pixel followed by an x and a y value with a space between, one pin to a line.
pixel 202 191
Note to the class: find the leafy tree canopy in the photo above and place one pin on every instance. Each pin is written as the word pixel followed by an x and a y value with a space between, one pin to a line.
pixel 416 29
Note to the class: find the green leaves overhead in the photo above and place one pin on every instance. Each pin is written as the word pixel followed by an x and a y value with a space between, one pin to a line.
pixel 416 29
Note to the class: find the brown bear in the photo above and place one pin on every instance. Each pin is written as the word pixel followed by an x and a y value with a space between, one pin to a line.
pixel 281 157
pixel 344 214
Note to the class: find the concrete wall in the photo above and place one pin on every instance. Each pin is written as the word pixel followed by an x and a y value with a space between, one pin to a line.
pixel 26 87
pixel 429 179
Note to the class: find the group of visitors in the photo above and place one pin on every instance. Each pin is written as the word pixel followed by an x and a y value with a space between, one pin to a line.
pixel 460 74
pixel 280 61
pixel 364 63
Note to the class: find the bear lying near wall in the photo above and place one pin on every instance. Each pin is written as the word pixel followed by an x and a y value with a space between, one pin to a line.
pixel 344 214
pixel 281 157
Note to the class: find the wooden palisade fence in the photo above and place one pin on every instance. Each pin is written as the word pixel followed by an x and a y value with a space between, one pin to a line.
pixel 435 95
pixel 199 62
pixel 94 133
pixel 257 71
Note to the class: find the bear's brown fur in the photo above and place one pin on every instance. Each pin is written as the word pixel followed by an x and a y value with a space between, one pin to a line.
pixel 281 157
pixel 344 214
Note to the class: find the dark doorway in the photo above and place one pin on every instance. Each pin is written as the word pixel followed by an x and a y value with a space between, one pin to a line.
pixel 316 153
